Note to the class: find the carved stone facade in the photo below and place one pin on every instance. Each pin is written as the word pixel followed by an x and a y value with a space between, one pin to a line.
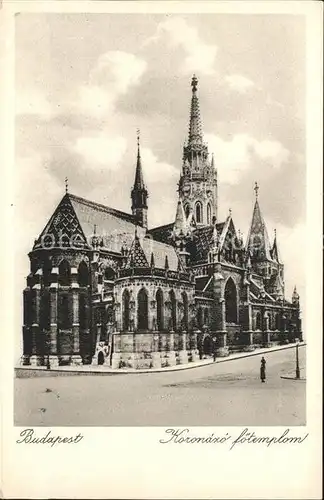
pixel 103 289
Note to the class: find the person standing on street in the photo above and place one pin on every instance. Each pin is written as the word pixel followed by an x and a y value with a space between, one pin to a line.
pixel 263 370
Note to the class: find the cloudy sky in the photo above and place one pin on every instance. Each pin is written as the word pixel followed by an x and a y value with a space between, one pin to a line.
pixel 86 82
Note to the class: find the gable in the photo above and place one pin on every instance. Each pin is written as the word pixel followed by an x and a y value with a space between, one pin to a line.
pixel 63 229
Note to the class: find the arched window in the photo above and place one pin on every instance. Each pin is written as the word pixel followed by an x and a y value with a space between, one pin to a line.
pixel 109 274
pixel 200 319
pixel 258 322
pixel 83 311
pixel 277 321
pixel 159 310
pixel 198 212
pixel 47 269
pixel 64 273
pixel 45 319
pixel 173 310
pixel 231 301
pixel 83 274
pixel 187 210
pixel 142 310
pixel 185 311
pixel 65 311
pixel 206 317
pixel 209 218
pixel 126 310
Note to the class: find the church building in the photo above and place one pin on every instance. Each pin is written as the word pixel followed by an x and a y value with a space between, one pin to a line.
pixel 106 289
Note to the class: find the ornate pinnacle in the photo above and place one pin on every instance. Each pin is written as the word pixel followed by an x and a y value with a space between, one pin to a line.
pixel 194 83
pixel 256 189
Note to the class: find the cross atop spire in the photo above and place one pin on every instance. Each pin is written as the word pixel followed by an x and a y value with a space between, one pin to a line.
pixel 66 180
pixel 256 189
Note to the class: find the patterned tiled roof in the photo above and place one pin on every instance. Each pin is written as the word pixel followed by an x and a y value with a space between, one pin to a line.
pixel 202 242
pixel 136 256
pixel 162 233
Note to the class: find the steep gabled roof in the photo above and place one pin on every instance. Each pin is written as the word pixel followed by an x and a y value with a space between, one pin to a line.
pixel 258 239
pixel 136 256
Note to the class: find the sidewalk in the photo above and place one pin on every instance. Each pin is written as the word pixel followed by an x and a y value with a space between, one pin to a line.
pixel 104 370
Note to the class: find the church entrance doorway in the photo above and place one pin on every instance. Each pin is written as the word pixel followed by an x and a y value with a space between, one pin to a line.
pixel 101 358
pixel 208 345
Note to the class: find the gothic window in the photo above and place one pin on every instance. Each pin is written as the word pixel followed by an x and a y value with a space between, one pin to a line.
pixel 198 212
pixel 142 310
pixel 159 310
pixel 126 310
pixel 209 214
pixel 64 311
pixel 277 321
pixel 29 309
pixel 45 310
pixel 64 273
pixel 109 274
pixel 231 301
pixel 185 311
pixel 173 310
pixel 258 322
pixel 206 317
pixel 47 269
pixel 83 274
pixel 200 319
pixel 83 311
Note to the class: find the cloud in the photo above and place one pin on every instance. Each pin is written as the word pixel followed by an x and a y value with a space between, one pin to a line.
pixel 200 57
pixel 239 83
pixel 114 73
pixel 33 102
pixel 101 150
pixel 154 170
pixel 236 156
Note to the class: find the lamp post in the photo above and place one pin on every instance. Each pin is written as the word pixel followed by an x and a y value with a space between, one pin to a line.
pixel 297 361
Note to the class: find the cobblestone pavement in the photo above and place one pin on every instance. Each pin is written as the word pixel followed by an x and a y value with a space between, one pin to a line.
pixel 221 394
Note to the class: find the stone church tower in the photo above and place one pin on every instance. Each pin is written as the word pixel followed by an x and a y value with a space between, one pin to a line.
pixel 198 181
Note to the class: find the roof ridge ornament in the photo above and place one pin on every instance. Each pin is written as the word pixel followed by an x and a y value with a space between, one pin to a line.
pixel 256 189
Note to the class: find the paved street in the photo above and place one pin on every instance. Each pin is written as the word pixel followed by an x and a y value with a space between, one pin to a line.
pixel 222 394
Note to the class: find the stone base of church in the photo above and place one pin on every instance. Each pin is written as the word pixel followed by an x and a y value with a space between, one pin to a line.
pixel 222 352
pixel 76 360
pixel 183 357
pixel 248 348
pixel 53 361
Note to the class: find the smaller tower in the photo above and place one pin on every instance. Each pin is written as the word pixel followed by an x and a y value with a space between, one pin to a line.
pixel 139 192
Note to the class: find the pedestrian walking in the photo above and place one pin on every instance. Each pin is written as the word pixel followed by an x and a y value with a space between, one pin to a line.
pixel 263 370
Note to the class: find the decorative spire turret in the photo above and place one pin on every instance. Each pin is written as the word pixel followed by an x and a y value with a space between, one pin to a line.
pixel 275 254
pixel 258 240
pixel 295 297
pixel 139 192
pixel 195 133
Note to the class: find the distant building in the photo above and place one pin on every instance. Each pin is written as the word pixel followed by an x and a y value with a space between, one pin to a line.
pixel 105 289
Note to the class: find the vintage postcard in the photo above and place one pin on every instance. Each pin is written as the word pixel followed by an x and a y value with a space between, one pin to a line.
pixel 161 201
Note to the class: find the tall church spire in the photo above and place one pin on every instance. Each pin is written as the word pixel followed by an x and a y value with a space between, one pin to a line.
pixel 195 129
pixel 258 239
pixel 139 192
pixel 198 180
